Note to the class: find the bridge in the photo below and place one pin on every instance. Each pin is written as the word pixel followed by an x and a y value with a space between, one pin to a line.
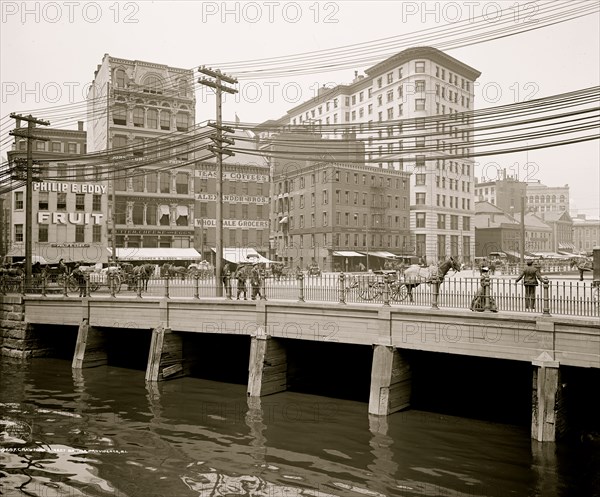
pixel 271 328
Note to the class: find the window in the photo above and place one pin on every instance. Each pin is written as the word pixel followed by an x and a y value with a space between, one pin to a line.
pixel 419 104
pixel 390 113
pixel 19 200
pixel 80 202
pixel 182 121
pixel 80 233
pixel 379 82
pixel 120 78
pixel 453 222
pixel 420 66
pixel 441 221
pixel 420 199
pixel 61 201
pixel 138 117
pixel 181 183
pixel 152 84
pixel 421 219
pixel 43 201
pixel 152 118
pixel 18 232
pixel 390 96
pixel 56 146
pixel 40 146
pixel 419 179
pixel 42 232
pixel 165 183
pixel 420 85
pixel 466 223
pixel 390 77
pixel 165 119
pixel 137 183
pixel 96 233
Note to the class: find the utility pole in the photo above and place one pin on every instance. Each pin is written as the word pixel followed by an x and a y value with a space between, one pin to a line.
pixel 218 150
pixel 522 241
pixel 31 122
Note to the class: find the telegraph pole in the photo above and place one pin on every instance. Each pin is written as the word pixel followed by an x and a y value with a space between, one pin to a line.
pixel 218 150
pixel 31 122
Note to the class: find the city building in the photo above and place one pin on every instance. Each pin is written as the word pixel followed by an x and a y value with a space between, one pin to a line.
pixel 142 114
pixel 586 234
pixel 246 191
pixel 561 224
pixel 337 213
pixel 542 198
pixel 507 193
pixel 412 111
pixel 69 199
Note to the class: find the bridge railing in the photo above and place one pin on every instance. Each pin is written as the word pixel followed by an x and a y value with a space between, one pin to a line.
pixel 574 298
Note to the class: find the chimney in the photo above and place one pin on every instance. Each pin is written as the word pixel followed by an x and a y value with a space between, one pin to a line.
pixel 79 125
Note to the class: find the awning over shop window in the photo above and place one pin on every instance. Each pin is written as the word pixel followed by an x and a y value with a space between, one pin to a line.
pixel 238 255
pixel 347 253
pixel 382 253
pixel 284 220
pixel 156 254
pixel 566 246
pixel 182 210
pixel 69 252
pixel 164 210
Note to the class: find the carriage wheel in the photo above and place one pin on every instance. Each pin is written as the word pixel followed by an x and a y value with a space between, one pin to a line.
pixel 399 293
pixel 72 284
pixel 370 292
pixel 117 282
pixel 94 286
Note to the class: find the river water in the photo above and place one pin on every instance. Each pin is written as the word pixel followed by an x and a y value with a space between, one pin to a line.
pixel 105 432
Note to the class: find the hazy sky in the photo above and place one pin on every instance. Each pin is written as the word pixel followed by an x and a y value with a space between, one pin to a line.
pixel 49 51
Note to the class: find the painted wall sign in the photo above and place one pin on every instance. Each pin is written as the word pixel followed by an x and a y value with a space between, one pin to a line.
pixel 234 199
pixel 69 218
pixel 46 186
pixel 233 176
pixel 232 223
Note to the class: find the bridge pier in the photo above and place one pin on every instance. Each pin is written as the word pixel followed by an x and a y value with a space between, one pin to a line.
pixel 268 366
pixel 390 381
pixel 165 359
pixel 547 406
pixel 90 349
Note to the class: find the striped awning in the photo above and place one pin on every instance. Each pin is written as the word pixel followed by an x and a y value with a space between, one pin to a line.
pixel 347 253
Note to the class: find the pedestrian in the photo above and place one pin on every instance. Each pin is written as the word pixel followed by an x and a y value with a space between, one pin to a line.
pixel 226 278
pixel 361 267
pixel 241 277
pixel 530 276
pixel 479 300
pixel 256 282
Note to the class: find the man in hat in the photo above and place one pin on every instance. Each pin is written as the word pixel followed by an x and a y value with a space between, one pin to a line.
pixel 530 276
pixel 478 302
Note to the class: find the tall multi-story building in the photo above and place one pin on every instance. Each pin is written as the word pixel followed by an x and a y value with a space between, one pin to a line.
pixel 507 193
pixel 542 198
pixel 413 113
pixel 69 199
pixel 335 212
pixel 143 115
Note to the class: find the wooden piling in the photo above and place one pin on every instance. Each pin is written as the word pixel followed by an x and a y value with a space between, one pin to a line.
pixel 90 349
pixel 268 366
pixel 547 420
pixel 165 359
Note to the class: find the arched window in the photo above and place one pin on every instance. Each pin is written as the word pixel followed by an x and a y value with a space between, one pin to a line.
pixel 152 84
pixel 562 199
pixel 547 199
pixel 553 199
pixel 120 78
pixel 537 199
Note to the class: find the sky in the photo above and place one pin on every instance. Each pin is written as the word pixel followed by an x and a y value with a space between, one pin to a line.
pixel 49 51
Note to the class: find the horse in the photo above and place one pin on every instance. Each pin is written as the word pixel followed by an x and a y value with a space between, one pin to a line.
pixel 142 275
pixel 277 270
pixel 168 270
pixel 582 264
pixel 414 275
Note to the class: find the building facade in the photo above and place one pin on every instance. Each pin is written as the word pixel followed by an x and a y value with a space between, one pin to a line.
pixel 507 193
pixel 542 198
pixel 413 113
pixel 142 114
pixel 586 234
pixel 335 213
pixel 69 200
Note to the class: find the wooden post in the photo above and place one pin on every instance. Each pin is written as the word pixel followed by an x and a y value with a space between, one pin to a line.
pixel 268 366
pixel 167 287
pixel 342 288
pixel 90 349
pixel 165 359
pixel 390 381
pixel 547 422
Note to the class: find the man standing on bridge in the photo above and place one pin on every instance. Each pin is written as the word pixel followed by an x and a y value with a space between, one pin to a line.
pixel 530 276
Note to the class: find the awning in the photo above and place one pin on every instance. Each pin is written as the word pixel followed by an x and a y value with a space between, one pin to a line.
pixel 238 255
pixel 284 220
pixel 51 253
pixel 347 253
pixel 164 210
pixel 566 246
pixel 156 254
pixel 383 254
pixel 182 210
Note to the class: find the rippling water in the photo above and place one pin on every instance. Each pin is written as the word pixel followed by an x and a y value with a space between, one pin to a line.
pixel 104 432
